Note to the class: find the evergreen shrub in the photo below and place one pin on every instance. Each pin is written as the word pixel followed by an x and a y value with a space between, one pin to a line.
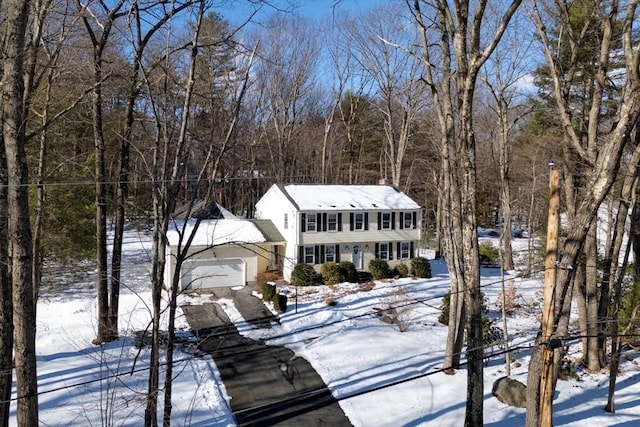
pixel 331 274
pixel 268 291
pixel 348 271
pixel 379 269
pixel 303 275
pixel 401 270
pixel 420 267
pixel 279 303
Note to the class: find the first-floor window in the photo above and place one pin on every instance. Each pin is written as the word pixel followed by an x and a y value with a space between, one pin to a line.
pixel 405 250
pixel 309 255
pixel 383 251
pixel 330 253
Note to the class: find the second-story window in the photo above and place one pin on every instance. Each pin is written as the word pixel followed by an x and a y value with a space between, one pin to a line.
pixel 312 225
pixel 408 220
pixel 332 222
pixel 385 221
pixel 358 221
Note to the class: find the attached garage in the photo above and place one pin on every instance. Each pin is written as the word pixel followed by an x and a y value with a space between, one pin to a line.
pixel 223 253
pixel 208 274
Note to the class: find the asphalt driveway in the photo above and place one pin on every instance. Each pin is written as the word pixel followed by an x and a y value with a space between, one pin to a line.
pixel 268 385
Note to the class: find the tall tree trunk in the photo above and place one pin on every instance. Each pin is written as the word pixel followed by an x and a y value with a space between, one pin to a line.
pixel 593 362
pixel 19 228
pixel 6 298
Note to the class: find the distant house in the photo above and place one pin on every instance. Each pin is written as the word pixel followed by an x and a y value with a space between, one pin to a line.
pixel 225 250
pixel 333 223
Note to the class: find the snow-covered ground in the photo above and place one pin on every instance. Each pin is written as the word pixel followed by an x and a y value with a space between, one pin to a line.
pixel 380 375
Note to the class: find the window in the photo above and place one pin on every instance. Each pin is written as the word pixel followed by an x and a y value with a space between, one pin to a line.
pixel 405 250
pixel 407 220
pixel 330 253
pixel 312 224
pixel 385 221
pixel 309 255
pixel 383 251
pixel 332 222
pixel 286 221
pixel 358 221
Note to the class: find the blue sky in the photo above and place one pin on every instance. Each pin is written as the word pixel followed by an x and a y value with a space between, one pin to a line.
pixel 239 10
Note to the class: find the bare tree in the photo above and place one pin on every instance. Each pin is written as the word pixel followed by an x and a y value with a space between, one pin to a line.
pixel 457 32
pixel 18 221
pixel 602 146
pixel 284 90
pixel 394 75
pixel 503 75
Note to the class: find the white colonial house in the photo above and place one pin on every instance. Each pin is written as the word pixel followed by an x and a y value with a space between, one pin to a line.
pixel 333 223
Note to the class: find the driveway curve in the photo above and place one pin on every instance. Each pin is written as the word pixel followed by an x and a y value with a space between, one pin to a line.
pixel 267 385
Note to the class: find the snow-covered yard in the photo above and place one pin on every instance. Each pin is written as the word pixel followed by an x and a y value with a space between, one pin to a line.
pixel 381 376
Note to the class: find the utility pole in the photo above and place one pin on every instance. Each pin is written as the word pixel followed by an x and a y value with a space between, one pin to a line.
pixel 548 301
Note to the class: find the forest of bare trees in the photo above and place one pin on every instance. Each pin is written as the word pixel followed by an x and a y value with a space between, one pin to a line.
pixel 114 113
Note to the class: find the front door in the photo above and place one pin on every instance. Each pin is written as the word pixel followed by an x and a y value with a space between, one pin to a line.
pixel 356 256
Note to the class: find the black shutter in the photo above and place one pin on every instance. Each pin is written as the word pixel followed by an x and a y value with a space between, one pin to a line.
pixel 377 254
pixel 337 253
pixel 339 222
pixel 366 220
pixel 411 250
pixel 393 220
pixel 301 254
pixel 379 220
pixel 390 245
pixel 322 260
pixel 398 249
pixel 415 218
pixel 324 222
pixel 319 222
pixel 317 255
pixel 401 220
pixel 351 221
pixel 303 222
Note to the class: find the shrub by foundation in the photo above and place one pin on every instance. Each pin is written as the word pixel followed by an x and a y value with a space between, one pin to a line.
pixel 303 275
pixel 420 267
pixel 330 273
pixel 348 271
pixel 379 269
pixel 401 270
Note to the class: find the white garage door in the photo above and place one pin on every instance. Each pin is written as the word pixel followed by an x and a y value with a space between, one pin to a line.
pixel 203 274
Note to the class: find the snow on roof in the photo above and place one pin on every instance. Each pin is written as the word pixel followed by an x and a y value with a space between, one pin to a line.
pixel 348 197
pixel 215 232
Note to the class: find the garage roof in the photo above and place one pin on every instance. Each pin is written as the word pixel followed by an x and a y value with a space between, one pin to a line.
pixel 215 232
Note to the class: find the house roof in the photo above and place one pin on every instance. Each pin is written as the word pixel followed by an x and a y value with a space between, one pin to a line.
pixel 215 232
pixel 319 197
pixel 202 210
pixel 268 230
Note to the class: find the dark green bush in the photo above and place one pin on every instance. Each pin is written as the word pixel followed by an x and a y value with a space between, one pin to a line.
pixel 490 333
pixel 420 267
pixel 379 269
pixel 268 291
pixel 401 270
pixel 304 275
pixel 488 253
pixel 348 271
pixel 331 274
pixel 280 303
